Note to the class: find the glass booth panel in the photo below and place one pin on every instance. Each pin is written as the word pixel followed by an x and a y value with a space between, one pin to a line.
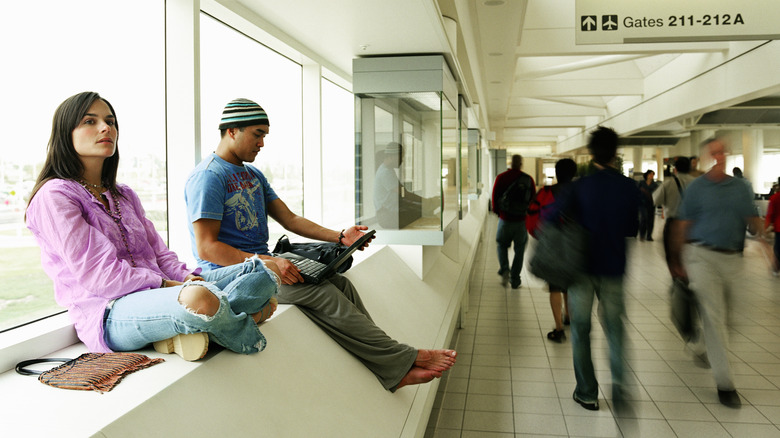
pixel 402 175
pixel 450 167
pixel 475 169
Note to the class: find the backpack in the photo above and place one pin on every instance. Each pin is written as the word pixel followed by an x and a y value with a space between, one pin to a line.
pixel 517 197
pixel 542 201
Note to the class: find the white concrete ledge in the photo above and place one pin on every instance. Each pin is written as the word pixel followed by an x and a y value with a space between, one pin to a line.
pixel 303 384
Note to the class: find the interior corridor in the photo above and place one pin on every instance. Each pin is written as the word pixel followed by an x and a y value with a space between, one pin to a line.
pixel 511 381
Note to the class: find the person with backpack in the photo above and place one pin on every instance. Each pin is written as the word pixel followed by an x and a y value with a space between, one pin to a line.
pixel 513 192
pixel 565 171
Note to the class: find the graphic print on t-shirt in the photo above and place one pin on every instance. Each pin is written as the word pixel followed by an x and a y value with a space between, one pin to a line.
pixel 241 188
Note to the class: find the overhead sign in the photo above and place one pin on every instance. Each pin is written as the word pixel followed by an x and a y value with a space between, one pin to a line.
pixel 661 21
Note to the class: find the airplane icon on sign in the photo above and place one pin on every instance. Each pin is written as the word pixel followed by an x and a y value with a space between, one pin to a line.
pixel 609 22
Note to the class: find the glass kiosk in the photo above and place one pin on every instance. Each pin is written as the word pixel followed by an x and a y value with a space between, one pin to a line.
pixel 406 140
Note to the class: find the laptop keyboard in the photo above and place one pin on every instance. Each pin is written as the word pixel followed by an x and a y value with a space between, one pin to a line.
pixel 309 267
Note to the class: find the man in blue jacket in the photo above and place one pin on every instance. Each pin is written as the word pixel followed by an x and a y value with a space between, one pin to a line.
pixel 605 203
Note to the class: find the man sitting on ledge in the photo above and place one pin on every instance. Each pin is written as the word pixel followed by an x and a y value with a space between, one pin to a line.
pixel 228 203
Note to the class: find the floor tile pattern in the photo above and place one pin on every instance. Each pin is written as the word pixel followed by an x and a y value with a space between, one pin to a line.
pixel 510 381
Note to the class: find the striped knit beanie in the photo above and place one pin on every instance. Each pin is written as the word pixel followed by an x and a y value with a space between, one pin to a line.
pixel 242 112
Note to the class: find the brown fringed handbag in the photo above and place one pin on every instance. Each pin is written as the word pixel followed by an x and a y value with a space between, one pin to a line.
pixel 89 372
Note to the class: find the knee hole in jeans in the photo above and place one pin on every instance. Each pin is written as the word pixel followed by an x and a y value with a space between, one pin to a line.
pixel 199 300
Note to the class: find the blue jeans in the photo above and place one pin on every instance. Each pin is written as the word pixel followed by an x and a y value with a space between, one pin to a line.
pixel 609 291
pixel 147 316
pixel 646 221
pixel 506 233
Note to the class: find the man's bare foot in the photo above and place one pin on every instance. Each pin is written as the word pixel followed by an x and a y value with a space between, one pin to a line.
pixel 418 375
pixel 267 311
pixel 435 360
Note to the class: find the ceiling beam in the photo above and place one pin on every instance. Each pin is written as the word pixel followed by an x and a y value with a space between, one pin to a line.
pixel 589 87
pixel 577 101
pixel 597 61
pixel 546 122
pixel 553 110
pixel 535 132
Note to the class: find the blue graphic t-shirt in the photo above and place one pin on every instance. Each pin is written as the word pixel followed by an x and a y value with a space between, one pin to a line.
pixel 235 195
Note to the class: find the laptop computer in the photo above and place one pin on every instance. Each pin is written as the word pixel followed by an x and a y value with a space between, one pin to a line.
pixel 314 272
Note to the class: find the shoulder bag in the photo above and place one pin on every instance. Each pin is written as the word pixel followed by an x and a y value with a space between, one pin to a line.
pixel 559 257
pixel 89 372
pixel 683 309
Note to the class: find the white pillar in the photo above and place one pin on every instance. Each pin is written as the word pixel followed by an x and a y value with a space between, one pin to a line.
pixel 312 142
pixel 752 150
pixel 182 77
pixel 637 159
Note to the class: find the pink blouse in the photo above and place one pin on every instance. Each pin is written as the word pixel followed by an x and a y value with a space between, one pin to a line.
pixel 84 252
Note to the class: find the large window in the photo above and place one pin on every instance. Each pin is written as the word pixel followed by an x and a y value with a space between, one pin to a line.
pixel 74 46
pixel 234 65
pixel 338 152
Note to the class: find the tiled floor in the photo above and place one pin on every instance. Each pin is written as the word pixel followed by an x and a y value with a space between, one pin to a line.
pixel 510 381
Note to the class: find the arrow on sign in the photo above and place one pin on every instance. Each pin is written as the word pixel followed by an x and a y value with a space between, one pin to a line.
pixel 588 23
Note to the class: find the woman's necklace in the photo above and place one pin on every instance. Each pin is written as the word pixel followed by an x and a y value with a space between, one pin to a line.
pixel 116 216
pixel 95 186
pixel 95 190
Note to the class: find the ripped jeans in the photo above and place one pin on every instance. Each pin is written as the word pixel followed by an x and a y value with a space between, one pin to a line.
pixel 147 316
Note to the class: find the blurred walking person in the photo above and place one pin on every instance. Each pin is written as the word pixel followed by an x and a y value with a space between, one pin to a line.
pixel 513 192
pixel 707 244
pixel 565 170
pixel 669 195
pixel 605 203
pixel 646 205
pixel 773 224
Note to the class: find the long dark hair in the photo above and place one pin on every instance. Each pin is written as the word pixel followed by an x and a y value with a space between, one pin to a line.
pixel 62 161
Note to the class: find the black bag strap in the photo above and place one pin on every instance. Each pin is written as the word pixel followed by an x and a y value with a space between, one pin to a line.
pixel 22 369
pixel 511 186
pixel 282 245
pixel 679 187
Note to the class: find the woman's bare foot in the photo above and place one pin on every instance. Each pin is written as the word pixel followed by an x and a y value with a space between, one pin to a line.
pixel 418 375
pixel 435 360
pixel 267 311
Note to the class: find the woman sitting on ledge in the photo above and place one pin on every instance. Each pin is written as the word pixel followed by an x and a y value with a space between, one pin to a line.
pixel 122 286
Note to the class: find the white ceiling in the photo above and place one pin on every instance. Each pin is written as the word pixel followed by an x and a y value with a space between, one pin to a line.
pixel 516 60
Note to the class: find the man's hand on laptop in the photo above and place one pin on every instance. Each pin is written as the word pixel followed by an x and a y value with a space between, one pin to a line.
pixel 271 264
pixel 289 273
pixel 353 233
